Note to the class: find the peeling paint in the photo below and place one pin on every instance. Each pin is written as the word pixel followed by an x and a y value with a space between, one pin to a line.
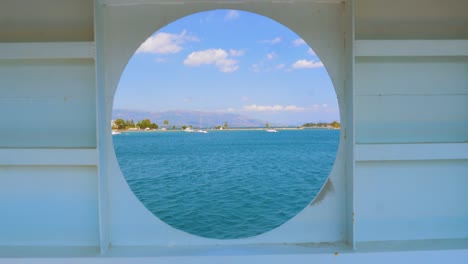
pixel 327 188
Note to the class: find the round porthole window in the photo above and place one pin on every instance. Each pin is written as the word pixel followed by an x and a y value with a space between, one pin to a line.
pixel 226 124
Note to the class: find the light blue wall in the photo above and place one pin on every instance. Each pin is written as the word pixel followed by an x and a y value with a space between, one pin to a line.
pixel 48 206
pixel 47 103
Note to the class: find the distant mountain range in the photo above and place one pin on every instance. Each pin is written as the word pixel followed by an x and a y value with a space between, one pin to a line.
pixel 185 117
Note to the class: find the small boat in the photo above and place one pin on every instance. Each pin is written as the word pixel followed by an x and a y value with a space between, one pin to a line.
pixel 271 130
pixel 200 130
pixel 115 132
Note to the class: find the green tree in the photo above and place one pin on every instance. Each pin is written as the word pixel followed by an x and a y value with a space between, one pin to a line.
pixel 335 124
pixel 145 123
pixel 184 127
pixel 267 125
pixel 120 123
pixel 129 124
pixel 226 125
pixel 166 122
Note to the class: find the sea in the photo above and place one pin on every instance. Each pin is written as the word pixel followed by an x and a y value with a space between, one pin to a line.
pixel 226 184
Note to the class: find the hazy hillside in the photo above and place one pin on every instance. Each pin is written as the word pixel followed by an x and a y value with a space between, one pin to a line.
pixel 194 118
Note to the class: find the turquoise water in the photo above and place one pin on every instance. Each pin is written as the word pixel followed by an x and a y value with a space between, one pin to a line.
pixel 226 184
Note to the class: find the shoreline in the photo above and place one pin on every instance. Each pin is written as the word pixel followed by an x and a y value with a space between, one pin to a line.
pixel 229 129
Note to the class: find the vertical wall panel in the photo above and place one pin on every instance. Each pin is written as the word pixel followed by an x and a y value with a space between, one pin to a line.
pixel 48 205
pixel 411 200
pixel 411 100
pixel 47 103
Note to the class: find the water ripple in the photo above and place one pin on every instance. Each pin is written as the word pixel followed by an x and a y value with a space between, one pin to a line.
pixel 228 184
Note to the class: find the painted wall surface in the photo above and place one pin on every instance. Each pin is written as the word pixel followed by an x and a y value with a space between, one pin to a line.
pixel 48 206
pixel 417 100
pixel 411 200
pixel 126 27
pixel 411 99
pixel 404 97
pixel 47 103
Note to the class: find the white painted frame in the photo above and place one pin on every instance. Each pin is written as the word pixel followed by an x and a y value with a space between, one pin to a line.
pixel 117 37
pixel 55 157
pixel 118 242
pixel 400 152
pixel 47 50
pixel 369 48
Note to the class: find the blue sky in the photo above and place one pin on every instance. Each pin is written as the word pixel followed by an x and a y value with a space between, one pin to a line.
pixel 229 61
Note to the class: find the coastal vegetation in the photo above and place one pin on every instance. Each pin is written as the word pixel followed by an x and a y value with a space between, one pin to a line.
pixel 121 124
pixel 334 124
pixel 179 118
pixel 145 124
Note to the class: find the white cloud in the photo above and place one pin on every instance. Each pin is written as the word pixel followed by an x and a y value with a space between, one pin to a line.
pixel 236 53
pixel 271 41
pixel 305 64
pixel 165 43
pixel 298 42
pixel 208 18
pixel 294 108
pixel 272 108
pixel 217 57
pixel 317 107
pixel 245 98
pixel 231 15
pixel 276 40
pixel 280 66
pixel 311 52
pixel 271 55
pixel 286 108
pixel 255 68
